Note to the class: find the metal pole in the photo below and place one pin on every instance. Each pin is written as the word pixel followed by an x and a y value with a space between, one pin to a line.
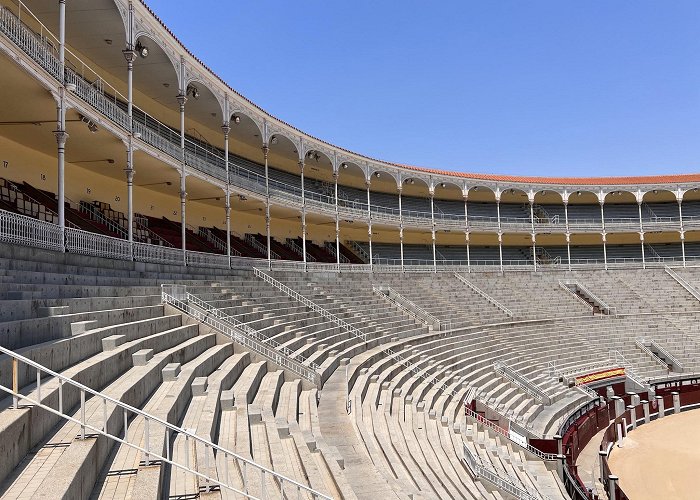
pixel 432 226
pixel 130 56
pixel 226 129
pixel 337 220
pixel 680 216
pixel 182 99
pixel 466 232
pixel 568 234
pixel 534 245
pixel 303 214
pixel 605 249
pixel 500 234
pixel 266 152
pixel 641 234
pixel 400 189
pixel 369 225
pixel 60 133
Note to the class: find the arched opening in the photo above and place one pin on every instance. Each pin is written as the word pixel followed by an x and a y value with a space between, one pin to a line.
pixel 481 208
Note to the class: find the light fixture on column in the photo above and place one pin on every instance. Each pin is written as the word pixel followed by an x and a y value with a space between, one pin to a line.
pixel 164 183
pixel 105 160
pixel 442 184
pixel 345 166
pixel 378 175
pixel 193 91
pixel 92 127
pixel 236 119
pixel 274 139
pixel 141 49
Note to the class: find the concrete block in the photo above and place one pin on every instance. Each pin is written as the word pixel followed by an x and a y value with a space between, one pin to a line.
pixel 409 399
pixel 344 361
pixel 363 371
pixel 374 378
pixel 199 386
pixel 385 385
pixel 18 295
pixel 310 442
pixel 140 358
pixel 254 414
pixel 455 428
pixel 112 342
pixel 299 335
pixel 310 340
pixel 431 414
pixel 443 421
pixel 420 406
pixel 321 347
pixel 332 353
pixel 78 327
pixel 283 429
pixel 397 391
pixel 228 400
pixel 46 312
pixel 170 372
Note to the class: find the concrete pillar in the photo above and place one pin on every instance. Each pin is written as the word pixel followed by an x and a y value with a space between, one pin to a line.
pixel 645 406
pixel 634 398
pixel 560 444
pixel 612 487
pixel 633 415
pixel 676 402
pixel 561 463
pixel 609 392
pixel 303 214
pixel 602 456
pixel 660 406
pixel 619 406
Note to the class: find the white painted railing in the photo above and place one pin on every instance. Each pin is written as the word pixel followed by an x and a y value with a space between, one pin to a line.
pixel 238 332
pixel 87 243
pixel 205 259
pixel 484 294
pixel 620 360
pixel 299 250
pixel 158 254
pixel 28 231
pixel 574 286
pixel 311 305
pixel 112 423
pixel 643 344
pixel 253 242
pixel 506 371
pixel 683 282
pixel 408 306
pixel 499 480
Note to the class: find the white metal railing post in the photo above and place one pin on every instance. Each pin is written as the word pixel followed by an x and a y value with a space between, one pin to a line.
pixel 400 189
pixel 337 216
pixel 226 129
pixel 268 249
pixel 303 214
pixel 181 100
pixel 432 223
pixel 369 223
pixel 604 234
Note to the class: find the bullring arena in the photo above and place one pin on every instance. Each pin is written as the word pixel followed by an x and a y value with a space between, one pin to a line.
pixel 251 312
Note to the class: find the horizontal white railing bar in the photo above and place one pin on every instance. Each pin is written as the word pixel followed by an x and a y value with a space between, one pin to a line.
pixel 499 480
pixel 178 297
pixel 115 428
pixel 24 230
pixel 506 371
pixel 484 294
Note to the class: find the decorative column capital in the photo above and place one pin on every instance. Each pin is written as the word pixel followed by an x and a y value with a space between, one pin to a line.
pixel 181 100
pixel 226 129
pixel 266 150
pixel 61 137
pixel 130 56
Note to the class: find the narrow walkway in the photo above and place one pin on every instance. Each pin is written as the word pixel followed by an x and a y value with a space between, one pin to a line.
pixel 588 466
pixel 337 431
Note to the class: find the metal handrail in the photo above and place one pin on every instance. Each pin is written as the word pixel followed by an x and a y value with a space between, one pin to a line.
pixel 122 437
pixel 299 251
pixel 620 358
pixel 506 371
pixel 407 305
pixel 238 332
pixel 642 343
pixel 253 242
pixel 499 480
pixel 567 283
pixel 423 374
pixel 484 294
pixel 683 282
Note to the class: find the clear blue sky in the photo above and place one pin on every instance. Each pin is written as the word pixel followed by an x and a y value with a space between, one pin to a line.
pixel 531 87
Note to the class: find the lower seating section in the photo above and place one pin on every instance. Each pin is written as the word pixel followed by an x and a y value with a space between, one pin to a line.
pixel 388 420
